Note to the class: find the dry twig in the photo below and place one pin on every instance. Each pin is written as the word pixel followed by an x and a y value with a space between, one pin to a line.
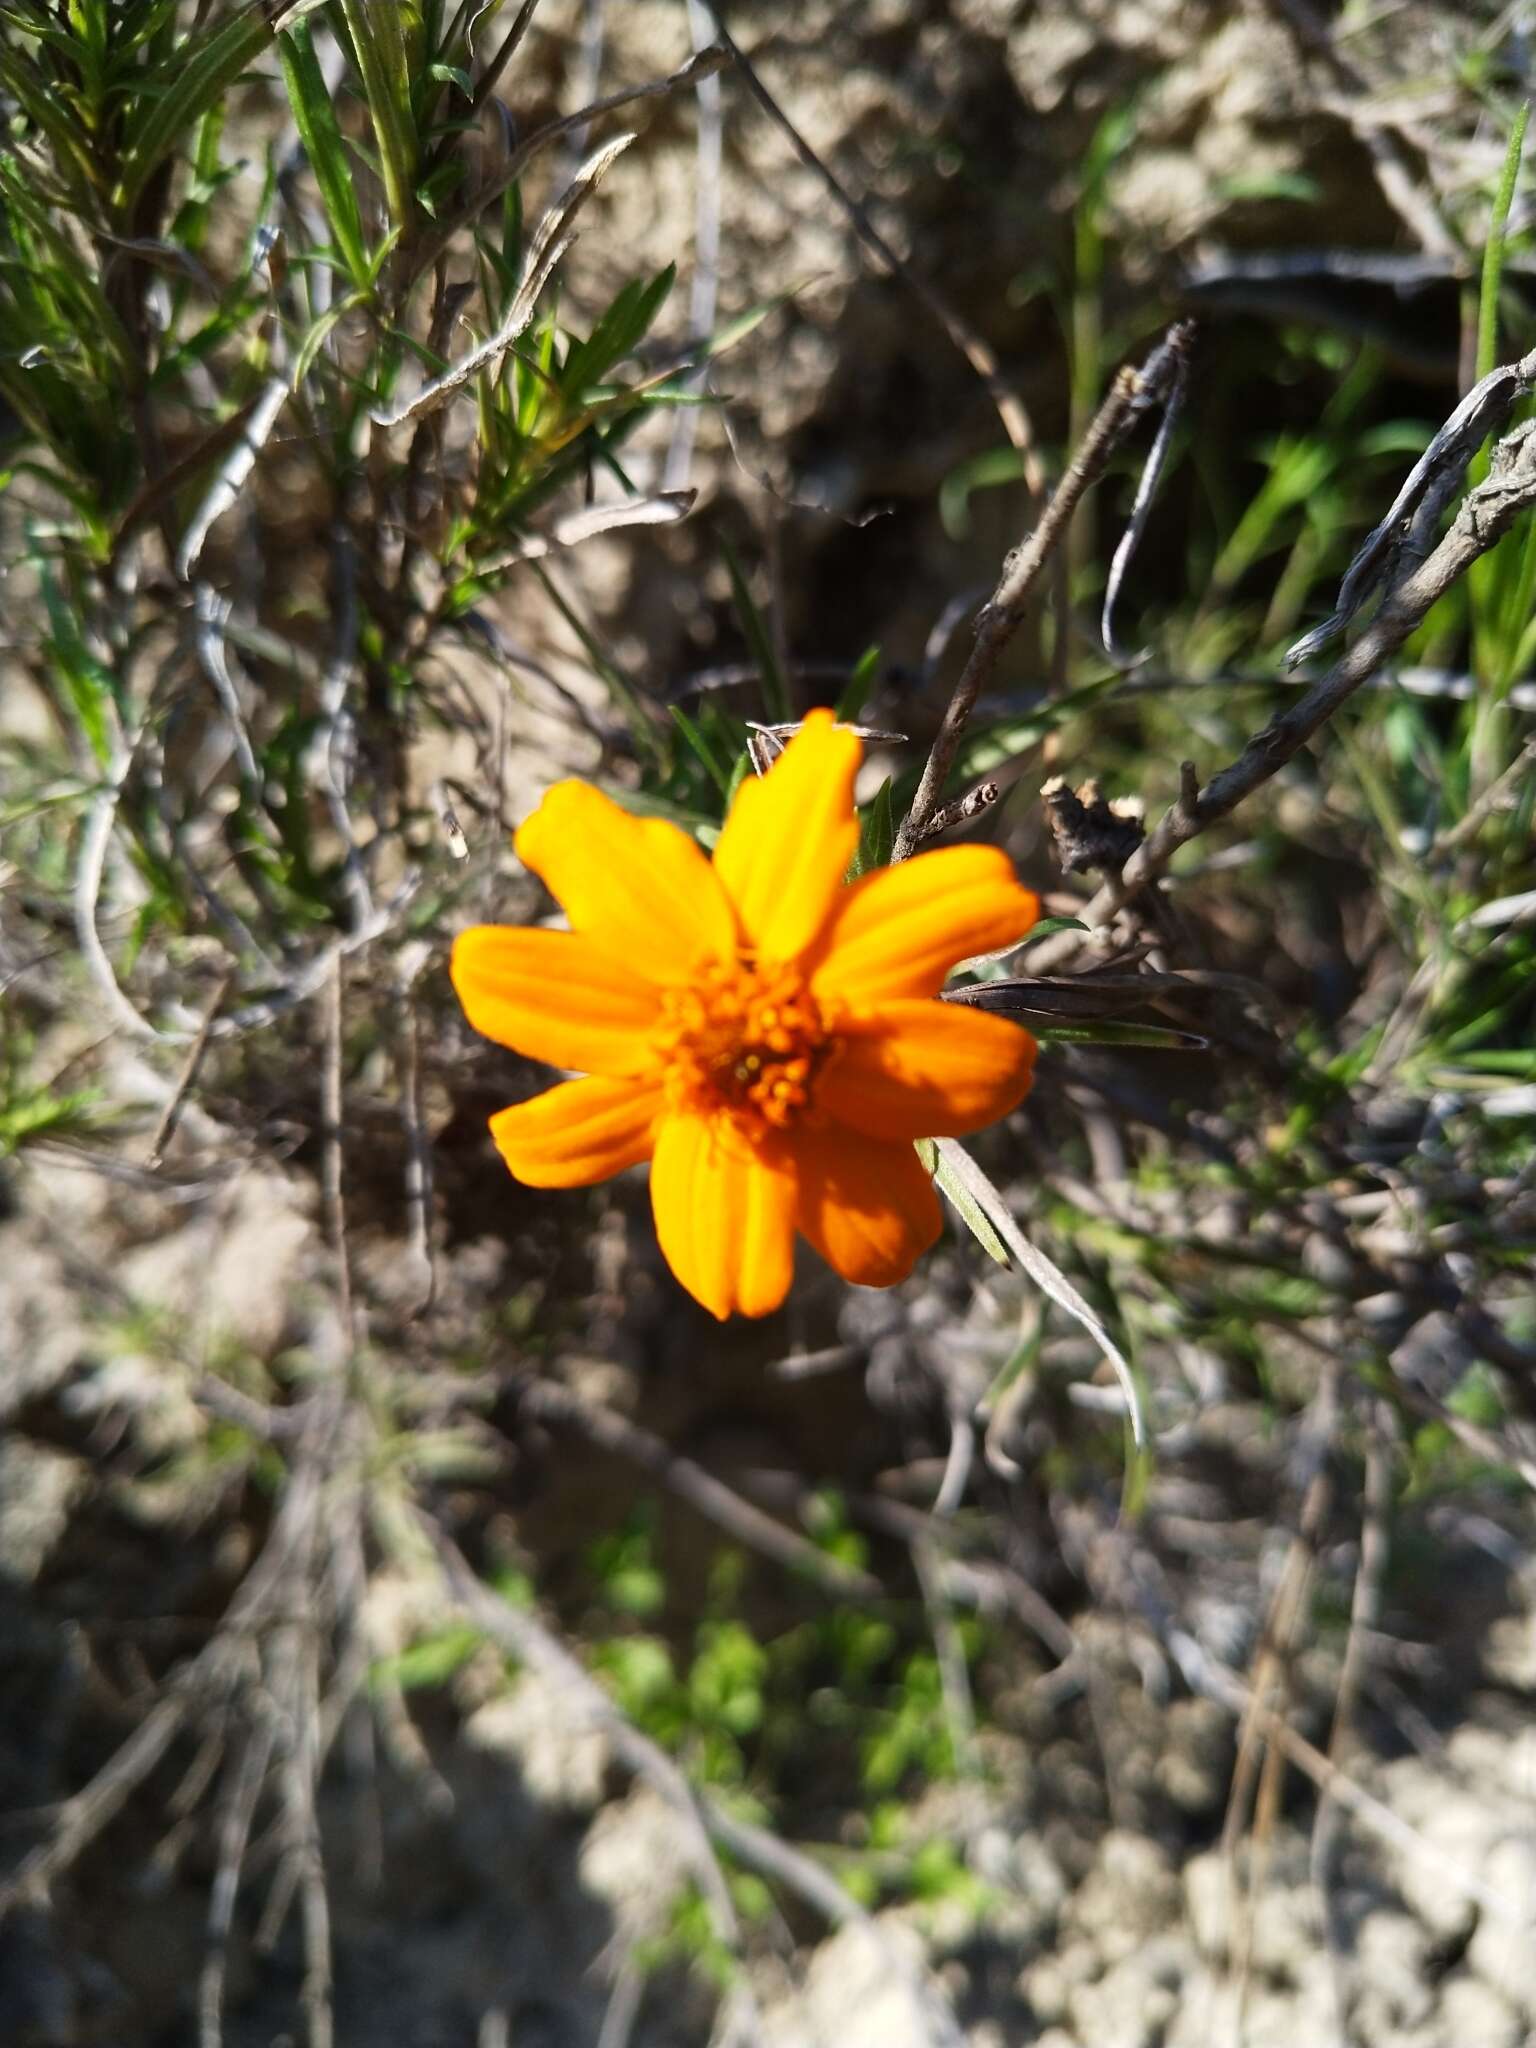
pixel 1000 618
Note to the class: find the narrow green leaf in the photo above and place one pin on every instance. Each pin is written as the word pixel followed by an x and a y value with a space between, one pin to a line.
pixel 718 773
pixel 858 686
pixel 877 833
pixel 314 340
pixel 87 684
pixel 1048 926
pixel 1045 1273
pixel 319 131
pixel 616 334
pixel 1159 1037
pixel 759 640
pixel 186 87
pixel 739 774
pixel 1494 249
pixel 378 38
pixel 965 1205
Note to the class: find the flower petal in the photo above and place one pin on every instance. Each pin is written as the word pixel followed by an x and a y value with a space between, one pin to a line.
pixel 577 1133
pixel 725 1216
pixel 785 848
pixel 926 1070
pixel 638 887
pixel 868 1207
pixel 555 996
pixel 899 931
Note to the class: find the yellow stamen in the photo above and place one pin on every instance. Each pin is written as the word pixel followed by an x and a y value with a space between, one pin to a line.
pixel 743 1042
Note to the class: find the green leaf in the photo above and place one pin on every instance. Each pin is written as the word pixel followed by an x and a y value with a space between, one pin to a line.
pixel 315 117
pixel 87 683
pixel 378 38
pixel 192 81
pixel 760 641
pixel 958 1166
pixel 314 339
pixel 1160 1037
pixel 433 1660
pixel 1494 248
pixel 858 686
pixel 877 833
pixel 1048 926
pixel 966 1207
pixel 719 774
pixel 616 334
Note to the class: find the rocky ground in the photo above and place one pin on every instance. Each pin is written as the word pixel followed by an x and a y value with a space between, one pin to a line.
pixel 491 1860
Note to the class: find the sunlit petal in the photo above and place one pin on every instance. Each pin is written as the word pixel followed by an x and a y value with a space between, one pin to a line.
pixel 578 1133
pixel 926 1070
pixel 639 887
pixel 555 996
pixel 867 1206
pixel 899 931
pixel 785 848
pixel 725 1216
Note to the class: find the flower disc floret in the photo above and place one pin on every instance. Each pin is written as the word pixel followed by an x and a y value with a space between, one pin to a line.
pixel 744 1042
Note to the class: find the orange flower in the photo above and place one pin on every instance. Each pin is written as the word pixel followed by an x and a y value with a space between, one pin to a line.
pixel 767 1037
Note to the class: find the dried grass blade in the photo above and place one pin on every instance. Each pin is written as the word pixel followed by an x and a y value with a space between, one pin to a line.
pixel 552 238
pixel 1045 1273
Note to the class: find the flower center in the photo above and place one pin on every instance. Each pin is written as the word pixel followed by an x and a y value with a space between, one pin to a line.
pixel 743 1042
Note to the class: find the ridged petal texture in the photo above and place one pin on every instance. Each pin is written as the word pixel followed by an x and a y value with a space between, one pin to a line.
pixel 767 1036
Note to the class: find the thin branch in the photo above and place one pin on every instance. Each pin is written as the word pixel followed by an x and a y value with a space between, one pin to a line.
pixel 553 1404
pixel 170 1116
pixel 1364 1618
pixel 521 1632
pixel 704 289
pixel 1486 515
pixel 488 80
pixel 702 1817
pixel 1000 618
pixel 332 1195
pixel 1418 212
pixel 551 239
pixel 425 253
pixel 1010 407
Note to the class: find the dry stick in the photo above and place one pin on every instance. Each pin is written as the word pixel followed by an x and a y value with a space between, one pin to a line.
pixel 1364 1614
pixel 710 1496
pixel 489 78
pixel 529 1640
pixel 425 254
pixel 1258 1760
pixel 330 1156
pixel 170 1116
pixel 234 1834
pixel 1498 796
pixel 1486 515
pixel 303 1785
pixel 1215 1681
pixel 623 2005
pixel 82 1816
pixel 89 869
pixel 418 1150
pixel 518 1631
pixel 549 242
pixel 1394 174
pixel 954 1673
pixel 1010 407
pixel 704 290
pixel 1003 613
